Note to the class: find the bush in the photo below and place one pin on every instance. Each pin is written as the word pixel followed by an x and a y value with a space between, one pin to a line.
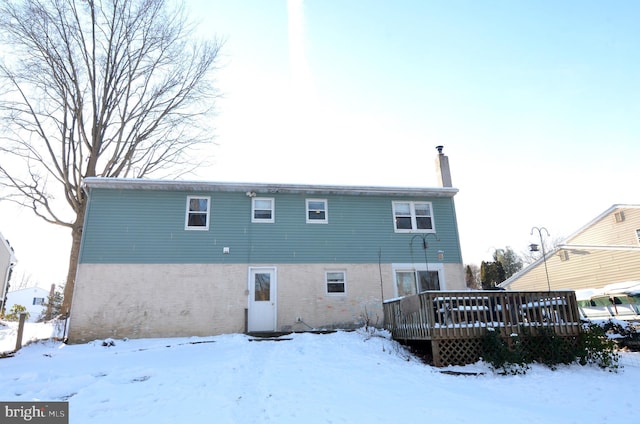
pixel 15 311
pixel 597 349
pixel 497 353
pixel 513 356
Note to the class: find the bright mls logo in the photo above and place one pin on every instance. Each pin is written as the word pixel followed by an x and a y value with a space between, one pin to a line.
pixel 34 412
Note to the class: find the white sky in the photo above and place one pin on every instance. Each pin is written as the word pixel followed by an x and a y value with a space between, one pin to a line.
pixel 536 103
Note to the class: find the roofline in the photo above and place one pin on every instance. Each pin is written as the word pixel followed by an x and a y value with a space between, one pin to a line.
pixel 601 216
pixel 12 256
pixel 607 212
pixel 598 247
pixel 569 247
pixel 261 188
pixel 527 269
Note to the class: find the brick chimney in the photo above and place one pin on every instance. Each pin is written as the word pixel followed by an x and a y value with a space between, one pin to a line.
pixel 442 168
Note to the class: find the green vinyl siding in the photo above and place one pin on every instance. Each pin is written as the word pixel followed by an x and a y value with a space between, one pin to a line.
pixel 148 226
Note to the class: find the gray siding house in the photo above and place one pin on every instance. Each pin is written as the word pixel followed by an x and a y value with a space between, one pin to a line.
pixel 184 258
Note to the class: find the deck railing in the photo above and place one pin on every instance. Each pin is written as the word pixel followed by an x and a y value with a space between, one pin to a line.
pixel 439 315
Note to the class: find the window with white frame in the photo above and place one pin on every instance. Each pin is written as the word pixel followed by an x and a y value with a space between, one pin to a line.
pixel 38 300
pixel 197 217
pixel 638 235
pixel 317 211
pixel 409 282
pixel 262 209
pixel 336 282
pixel 412 217
pixel 406 283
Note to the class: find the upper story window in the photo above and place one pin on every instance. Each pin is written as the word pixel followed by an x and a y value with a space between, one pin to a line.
pixel 317 211
pixel 262 209
pixel 336 282
pixel 197 213
pixel 638 235
pixel 412 217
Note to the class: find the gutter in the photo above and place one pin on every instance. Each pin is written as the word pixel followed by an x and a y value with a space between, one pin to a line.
pixel 262 188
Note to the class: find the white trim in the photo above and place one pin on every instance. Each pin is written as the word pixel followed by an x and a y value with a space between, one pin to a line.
pixel 326 212
pixel 414 267
pixel 598 218
pixel 326 282
pixel 273 210
pixel 274 285
pixel 187 211
pixel 412 211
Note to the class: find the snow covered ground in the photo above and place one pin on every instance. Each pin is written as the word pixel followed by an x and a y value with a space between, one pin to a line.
pixel 343 377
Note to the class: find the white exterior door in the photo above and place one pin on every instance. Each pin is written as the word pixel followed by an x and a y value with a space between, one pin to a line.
pixel 262 299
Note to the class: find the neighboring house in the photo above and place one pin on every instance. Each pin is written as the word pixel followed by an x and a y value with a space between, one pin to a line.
pixel 7 262
pixel 179 258
pixel 604 251
pixel 32 298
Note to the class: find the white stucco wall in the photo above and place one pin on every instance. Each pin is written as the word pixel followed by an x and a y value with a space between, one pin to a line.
pixel 166 300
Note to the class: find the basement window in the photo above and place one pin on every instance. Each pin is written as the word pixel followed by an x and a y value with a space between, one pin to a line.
pixel 336 282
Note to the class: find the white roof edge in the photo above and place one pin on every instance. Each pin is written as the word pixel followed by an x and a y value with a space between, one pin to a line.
pixel 601 216
pixel 565 246
pixel 527 269
pixel 261 188
pixel 597 247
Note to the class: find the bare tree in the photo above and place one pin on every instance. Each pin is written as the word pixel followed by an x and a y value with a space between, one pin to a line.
pixel 529 256
pixel 111 88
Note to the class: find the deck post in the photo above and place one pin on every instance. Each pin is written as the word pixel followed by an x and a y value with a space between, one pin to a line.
pixel 23 317
pixel 435 351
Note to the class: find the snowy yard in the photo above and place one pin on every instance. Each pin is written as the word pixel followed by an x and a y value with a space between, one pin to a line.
pixel 343 377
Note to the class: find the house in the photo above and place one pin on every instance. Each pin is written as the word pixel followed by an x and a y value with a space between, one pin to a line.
pixel 604 251
pixel 184 258
pixel 7 262
pixel 34 299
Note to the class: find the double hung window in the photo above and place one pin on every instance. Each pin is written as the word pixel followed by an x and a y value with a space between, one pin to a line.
pixel 336 282
pixel 412 217
pixel 317 211
pixel 197 216
pixel 262 209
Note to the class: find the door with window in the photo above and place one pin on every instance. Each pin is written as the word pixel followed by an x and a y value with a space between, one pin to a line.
pixel 261 315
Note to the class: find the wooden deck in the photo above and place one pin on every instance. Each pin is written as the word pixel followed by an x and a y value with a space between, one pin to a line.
pixel 455 321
